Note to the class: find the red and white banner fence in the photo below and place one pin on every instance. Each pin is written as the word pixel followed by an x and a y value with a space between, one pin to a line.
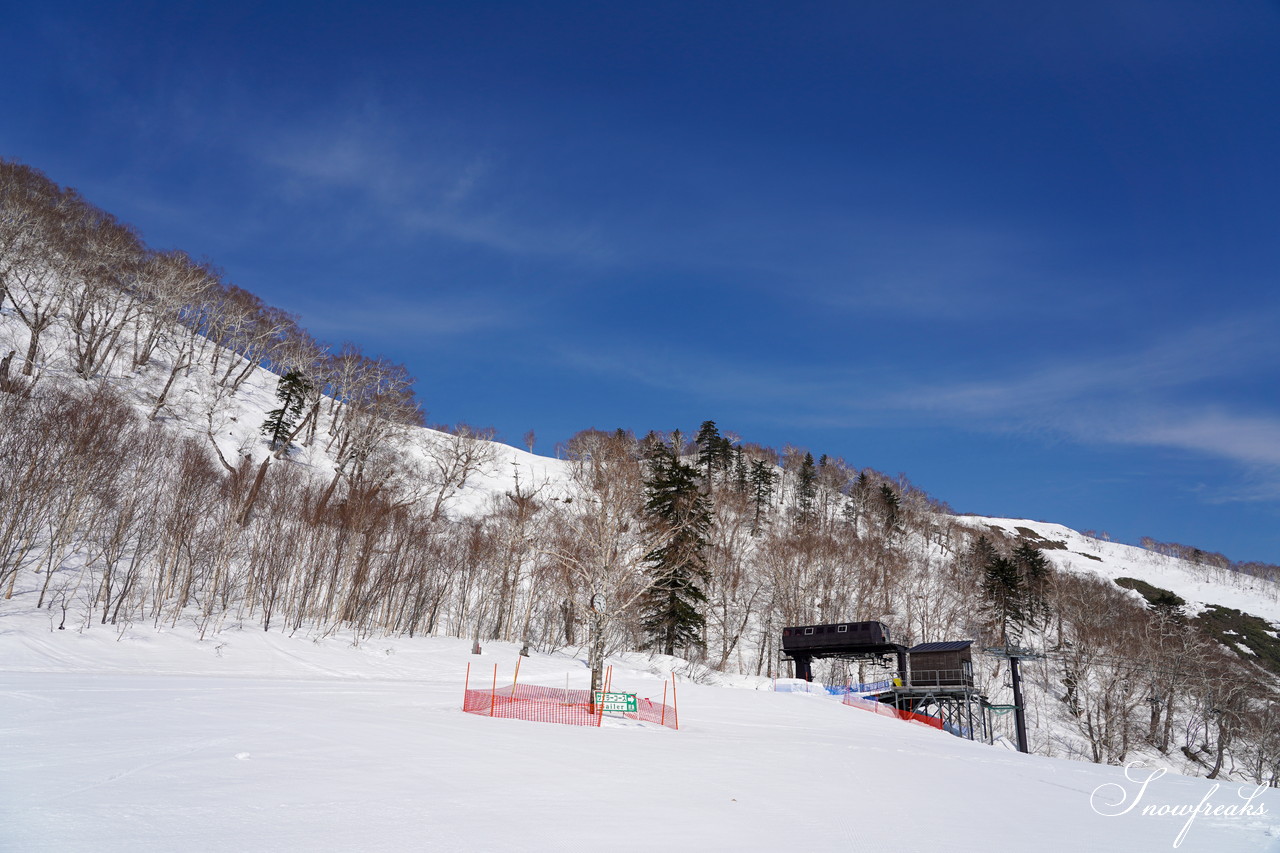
pixel 559 705
pixel 890 711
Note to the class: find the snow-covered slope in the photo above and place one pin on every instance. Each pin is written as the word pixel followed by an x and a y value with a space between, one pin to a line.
pixel 197 406
pixel 154 741
pixel 1200 585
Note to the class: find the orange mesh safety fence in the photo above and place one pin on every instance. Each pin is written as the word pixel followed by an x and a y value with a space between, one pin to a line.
pixel 647 710
pixel 889 711
pixel 559 705
pixel 532 702
pixel 650 711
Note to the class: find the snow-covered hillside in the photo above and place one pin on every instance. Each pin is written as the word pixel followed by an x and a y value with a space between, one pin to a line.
pixel 154 741
pixel 197 406
pixel 1200 585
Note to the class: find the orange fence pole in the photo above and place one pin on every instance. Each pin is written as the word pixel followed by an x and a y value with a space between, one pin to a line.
pixel 493 691
pixel 675 703
pixel 515 678
pixel 465 685
pixel 663 720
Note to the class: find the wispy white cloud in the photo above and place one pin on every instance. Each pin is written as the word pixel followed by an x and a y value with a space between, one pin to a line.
pixel 1162 395
pixel 1157 396
pixel 1177 360
pixel 859 264
pixel 397 177
pixel 1247 438
pixel 426 319
pixel 792 393
pixel 929 268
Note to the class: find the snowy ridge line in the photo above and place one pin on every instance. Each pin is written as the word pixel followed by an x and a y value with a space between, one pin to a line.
pixel 1198 585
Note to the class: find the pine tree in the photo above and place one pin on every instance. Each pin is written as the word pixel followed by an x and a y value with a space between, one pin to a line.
pixel 859 495
pixel 890 506
pixel 1014 586
pixel 762 481
pixel 1033 570
pixel 806 490
pixel 1002 587
pixel 739 472
pixel 679 513
pixel 714 451
pixel 291 391
pixel 651 445
pixel 981 552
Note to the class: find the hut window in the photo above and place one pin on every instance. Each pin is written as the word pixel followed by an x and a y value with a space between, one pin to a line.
pixel 808 631
pixel 843 628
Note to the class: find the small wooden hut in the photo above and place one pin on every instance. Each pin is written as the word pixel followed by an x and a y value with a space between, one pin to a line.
pixel 946 664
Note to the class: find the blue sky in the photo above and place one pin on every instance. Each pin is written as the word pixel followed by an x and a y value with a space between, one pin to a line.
pixel 1026 254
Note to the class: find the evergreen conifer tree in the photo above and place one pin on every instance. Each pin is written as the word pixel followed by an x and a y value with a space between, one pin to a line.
pixel 651 445
pixel 762 482
pixel 981 552
pixel 859 491
pixel 1002 587
pixel 806 490
pixel 680 514
pixel 1033 569
pixel 715 452
pixel 739 471
pixel 1013 586
pixel 890 506
pixel 291 391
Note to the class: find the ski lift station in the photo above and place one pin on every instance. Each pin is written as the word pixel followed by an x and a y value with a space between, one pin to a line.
pixel 929 679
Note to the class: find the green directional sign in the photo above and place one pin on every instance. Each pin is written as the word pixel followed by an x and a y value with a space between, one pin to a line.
pixel 625 702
